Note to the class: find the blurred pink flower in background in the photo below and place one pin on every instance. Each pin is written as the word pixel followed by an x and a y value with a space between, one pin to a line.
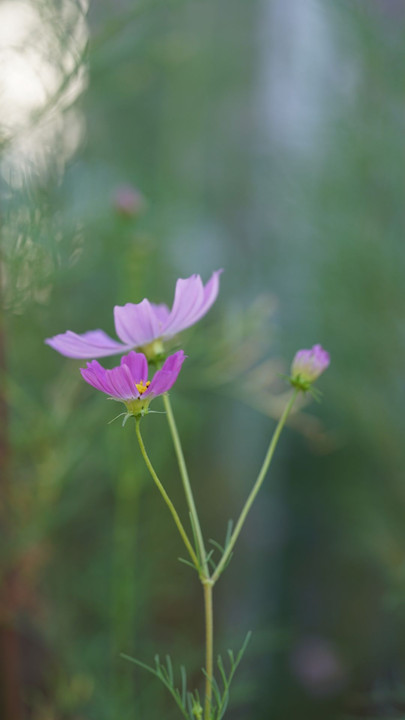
pixel 128 201
pixel 316 665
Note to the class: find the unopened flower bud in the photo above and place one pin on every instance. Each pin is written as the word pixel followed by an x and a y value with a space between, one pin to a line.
pixel 197 710
pixel 308 365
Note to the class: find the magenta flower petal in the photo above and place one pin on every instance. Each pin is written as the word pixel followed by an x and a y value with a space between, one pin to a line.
pixel 122 383
pixel 165 378
pixel 138 324
pixel 92 344
pixel 137 364
pixel 128 382
pixel 117 383
pixel 96 375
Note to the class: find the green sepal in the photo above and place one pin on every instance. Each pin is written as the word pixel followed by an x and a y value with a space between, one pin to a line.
pixel 305 386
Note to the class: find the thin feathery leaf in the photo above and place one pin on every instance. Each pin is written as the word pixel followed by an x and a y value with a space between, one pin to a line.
pixel 187 562
pixel 183 675
pixel 228 533
pixel 169 668
pixel 222 670
pixel 228 561
pixel 190 702
pixel 116 417
pixel 287 378
pixel 140 664
pixel 209 556
pixel 244 646
pixel 316 394
pixel 217 546
pixel 212 564
pixel 215 688
pixel 222 705
pixel 164 676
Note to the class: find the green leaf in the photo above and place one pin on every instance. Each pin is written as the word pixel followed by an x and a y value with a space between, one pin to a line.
pixel 166 676
pixel 187 562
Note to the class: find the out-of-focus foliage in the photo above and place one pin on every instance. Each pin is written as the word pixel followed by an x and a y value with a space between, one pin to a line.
pixel 265 137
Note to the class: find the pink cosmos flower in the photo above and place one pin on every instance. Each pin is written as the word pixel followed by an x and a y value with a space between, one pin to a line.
pixel 308 365
pixel 129 381
pixel 144 325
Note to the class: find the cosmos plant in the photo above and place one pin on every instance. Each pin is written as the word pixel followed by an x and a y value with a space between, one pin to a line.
pixel 144 331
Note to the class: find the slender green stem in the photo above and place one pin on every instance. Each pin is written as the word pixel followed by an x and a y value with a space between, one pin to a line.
pixel 186 482
pixel 209 648
pixel 165 495
pixel 256 486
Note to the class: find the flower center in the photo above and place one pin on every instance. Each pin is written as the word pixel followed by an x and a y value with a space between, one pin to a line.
pixel 142 387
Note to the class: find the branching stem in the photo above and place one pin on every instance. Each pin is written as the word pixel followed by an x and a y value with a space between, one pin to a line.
pixel 256 487
pixel 208 581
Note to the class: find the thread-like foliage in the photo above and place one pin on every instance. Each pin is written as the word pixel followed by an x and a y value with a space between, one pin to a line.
pixel 221 696
pixel 209 559
pixel 187 701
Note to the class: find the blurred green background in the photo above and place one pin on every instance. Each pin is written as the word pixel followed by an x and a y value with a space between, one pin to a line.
pixel 265 137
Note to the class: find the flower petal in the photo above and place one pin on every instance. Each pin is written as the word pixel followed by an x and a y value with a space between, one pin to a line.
pixel 191 302
pixel 96 375
pixel 138 366
pixel 188 295
pixel 162 312
pixel 117 383
pixel 165 378
pixel 92 344
pixel 139 324
pixel 210 292
pixel 122 383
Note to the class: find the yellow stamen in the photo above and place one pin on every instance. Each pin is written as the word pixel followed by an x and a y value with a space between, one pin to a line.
pixel 141 387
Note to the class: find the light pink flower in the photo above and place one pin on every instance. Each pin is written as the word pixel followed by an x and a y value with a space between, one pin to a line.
pixel 139 325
